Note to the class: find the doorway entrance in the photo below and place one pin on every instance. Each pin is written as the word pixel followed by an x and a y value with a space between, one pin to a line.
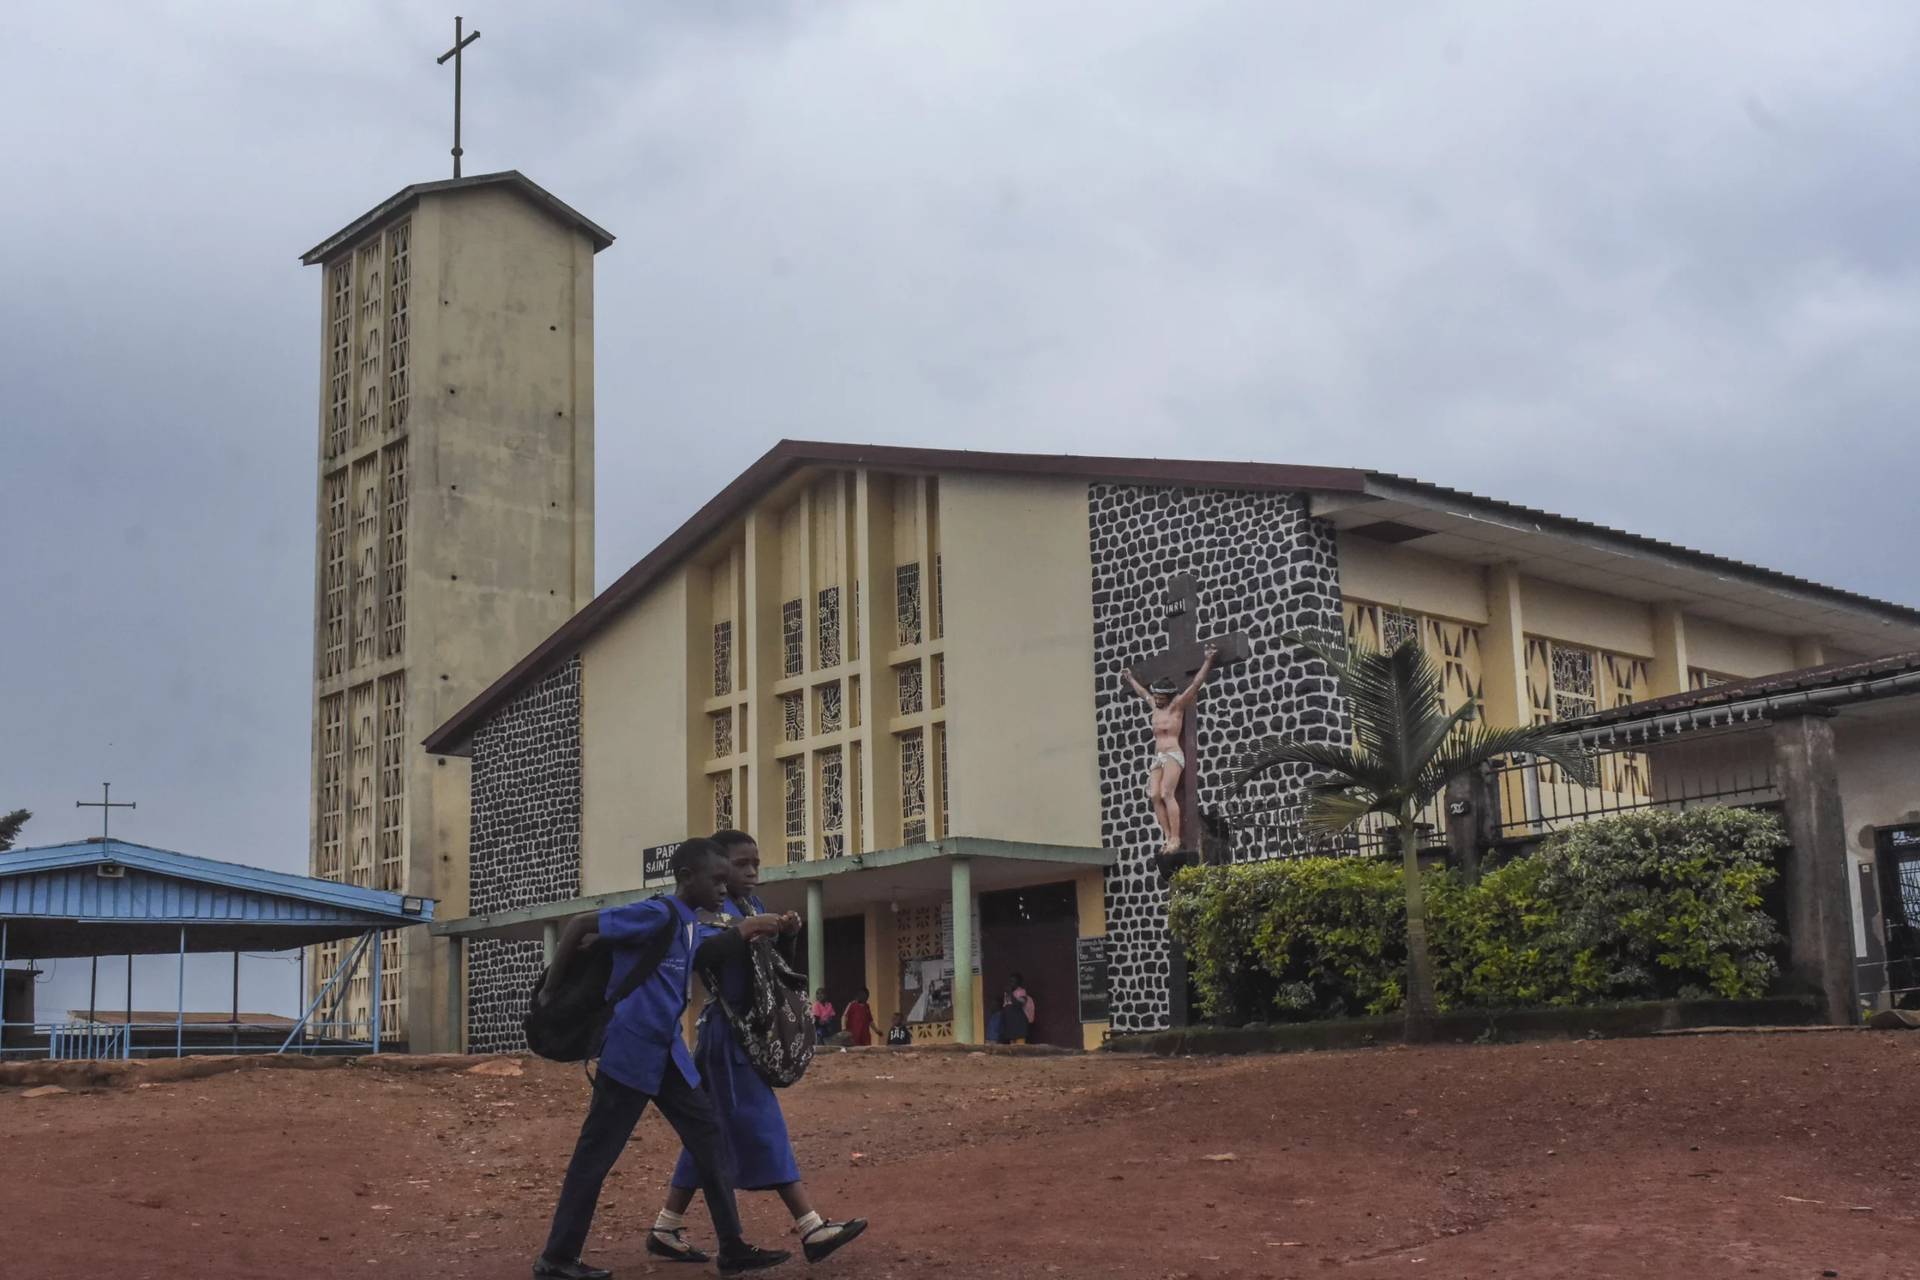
pixel 1032 932
pixel 846 944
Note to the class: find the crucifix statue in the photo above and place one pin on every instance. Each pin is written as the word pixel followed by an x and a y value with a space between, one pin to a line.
pixel 1170 683
pixel 454 53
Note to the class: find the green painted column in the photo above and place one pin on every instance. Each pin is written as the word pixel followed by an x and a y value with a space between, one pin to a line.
pixel 963 985
pixel 816 936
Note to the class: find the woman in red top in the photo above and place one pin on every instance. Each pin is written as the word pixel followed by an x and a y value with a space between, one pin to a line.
pixel 859 1019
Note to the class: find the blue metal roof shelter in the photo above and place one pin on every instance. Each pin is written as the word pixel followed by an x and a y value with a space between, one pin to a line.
pixel 110 897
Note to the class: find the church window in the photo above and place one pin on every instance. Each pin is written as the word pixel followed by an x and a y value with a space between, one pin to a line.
pixel 833 806
pixel 795 786
pixel 399 269
pixel 333 577
pixel 912 694
pixel 1574 688
pixel 913 788
pixel 829 624
pixel 722 801
pixel 827 697
pixel 853 702
pixel 945 815
pixel 793 638
pixel 390 984
pixel 369 391
pixel 939 680
pixel 793 716
pixel 391 873
pixel 339 419
pixel 853 621
pixel 722 735
pixel 722 658
pixel 1396 628
pixel 906 597
pixel 363 603
pixel 393 553
pixel 333 741
pixel 361 782
pixel 939 597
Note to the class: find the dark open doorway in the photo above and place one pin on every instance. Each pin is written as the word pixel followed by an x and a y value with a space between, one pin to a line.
pixel 846 938
pixel 1031 932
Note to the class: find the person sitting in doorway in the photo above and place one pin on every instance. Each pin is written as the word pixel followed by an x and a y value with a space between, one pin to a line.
pixel 860 1019
pixel 825 1021
pixel 899 1033
pixel 1019 985
pixel 1013 1018
pixel 751 1123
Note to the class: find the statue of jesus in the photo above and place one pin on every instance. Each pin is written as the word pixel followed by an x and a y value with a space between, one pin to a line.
pixel 1168 712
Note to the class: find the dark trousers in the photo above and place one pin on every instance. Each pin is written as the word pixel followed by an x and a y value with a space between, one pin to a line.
pixel 611 1116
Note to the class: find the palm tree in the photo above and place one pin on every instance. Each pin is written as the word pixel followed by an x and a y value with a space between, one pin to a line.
pixel 1406 747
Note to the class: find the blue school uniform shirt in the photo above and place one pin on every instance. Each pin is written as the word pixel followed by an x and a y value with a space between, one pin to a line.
pixel 643 1036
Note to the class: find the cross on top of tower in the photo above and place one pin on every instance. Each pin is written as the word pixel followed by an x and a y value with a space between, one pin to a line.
pixel 106 804
pixel 455 53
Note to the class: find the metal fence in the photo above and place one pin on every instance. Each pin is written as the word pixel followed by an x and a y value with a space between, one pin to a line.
pixel 1730 768
pixel 1279 831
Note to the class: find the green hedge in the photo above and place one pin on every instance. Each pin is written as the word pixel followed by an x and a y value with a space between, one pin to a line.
pixel 1652 905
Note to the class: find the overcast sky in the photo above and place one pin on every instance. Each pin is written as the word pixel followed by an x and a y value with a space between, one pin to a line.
pixel 1653 266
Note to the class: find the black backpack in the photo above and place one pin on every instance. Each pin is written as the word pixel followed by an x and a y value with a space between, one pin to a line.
pixel 572 1026
pixel 776 1028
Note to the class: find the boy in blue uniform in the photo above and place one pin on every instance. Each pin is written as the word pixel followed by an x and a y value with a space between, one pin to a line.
pixel 644 1059
pixel 750 1117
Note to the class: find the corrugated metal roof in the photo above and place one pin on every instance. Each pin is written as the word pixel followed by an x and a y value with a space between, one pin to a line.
pixel 120 892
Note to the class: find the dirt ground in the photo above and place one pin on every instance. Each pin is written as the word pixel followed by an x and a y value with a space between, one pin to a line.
pixel 1701 1157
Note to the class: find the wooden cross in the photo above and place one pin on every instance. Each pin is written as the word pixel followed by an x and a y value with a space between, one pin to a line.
pixel 1179 662
pixel 454 53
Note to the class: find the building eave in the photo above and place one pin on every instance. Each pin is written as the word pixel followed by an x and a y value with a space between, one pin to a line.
pixel 405 198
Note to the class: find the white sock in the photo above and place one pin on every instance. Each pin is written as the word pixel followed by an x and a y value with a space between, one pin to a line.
pixel 669 1221
pixel 808 1224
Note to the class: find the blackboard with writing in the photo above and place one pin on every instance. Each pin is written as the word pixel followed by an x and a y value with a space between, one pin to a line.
pixel 656 863
pixel 1094 964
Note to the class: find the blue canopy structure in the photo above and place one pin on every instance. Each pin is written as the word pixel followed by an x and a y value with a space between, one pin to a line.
pixel 110 897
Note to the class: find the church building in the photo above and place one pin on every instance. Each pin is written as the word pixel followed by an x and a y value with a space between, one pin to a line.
pixel 902 671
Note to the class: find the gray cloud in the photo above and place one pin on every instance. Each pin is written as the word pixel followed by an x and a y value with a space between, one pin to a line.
pixel 1646 265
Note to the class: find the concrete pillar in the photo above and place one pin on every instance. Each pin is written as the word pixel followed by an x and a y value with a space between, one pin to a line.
pixel 963 986
pixel 1503 650
pixel 1473 819
pixel 1819 930
pixel 816 935
pixel 1671 670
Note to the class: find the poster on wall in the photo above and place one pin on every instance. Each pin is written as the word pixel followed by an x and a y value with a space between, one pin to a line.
pixel 1095 965
pixel 930 983
pixel 656 863
pixel 946 932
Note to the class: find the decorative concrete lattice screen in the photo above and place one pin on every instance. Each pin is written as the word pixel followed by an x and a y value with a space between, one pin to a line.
pixel 525 842
pixel 1265 567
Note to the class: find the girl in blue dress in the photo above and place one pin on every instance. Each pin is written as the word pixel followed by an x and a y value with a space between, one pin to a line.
pixel 750 1115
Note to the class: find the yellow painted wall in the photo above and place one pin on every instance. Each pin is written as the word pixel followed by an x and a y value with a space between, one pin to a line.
pixel 1588 618
pixel 1410 581
pixel 1019 609
pixel 1090 891
pixel 634 735
pixel 1715 646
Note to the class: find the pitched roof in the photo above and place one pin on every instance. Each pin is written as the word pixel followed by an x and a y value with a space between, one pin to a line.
pixel 1369 489
pixel 131 899
pixel 407 197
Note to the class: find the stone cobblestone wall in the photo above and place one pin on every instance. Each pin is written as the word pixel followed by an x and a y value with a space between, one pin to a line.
pixel 525 843
pixel 1265 567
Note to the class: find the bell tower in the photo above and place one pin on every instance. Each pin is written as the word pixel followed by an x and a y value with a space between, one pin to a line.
pixel 454 528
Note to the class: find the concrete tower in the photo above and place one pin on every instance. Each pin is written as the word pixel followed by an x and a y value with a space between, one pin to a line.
pixel 455 527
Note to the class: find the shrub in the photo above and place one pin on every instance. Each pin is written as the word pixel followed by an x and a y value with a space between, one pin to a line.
pixel 1662 903
pixel 1641 906
pixel 1297 939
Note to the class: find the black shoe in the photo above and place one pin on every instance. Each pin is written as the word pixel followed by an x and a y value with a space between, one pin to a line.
pixel 848 1232
pixel 745 1257
pixel 659 1248
pixel 548 1269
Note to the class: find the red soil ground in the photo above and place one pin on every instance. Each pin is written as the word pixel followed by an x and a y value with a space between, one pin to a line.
pixel 1700 1157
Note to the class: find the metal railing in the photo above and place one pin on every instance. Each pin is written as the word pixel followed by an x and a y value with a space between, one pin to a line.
pixel 1279 830
pixel 1535 798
